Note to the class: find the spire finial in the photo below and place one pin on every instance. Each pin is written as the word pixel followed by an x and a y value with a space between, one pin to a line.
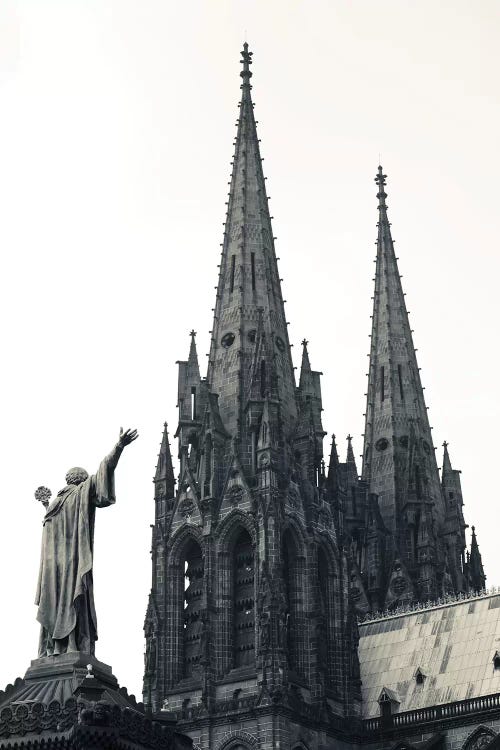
pixel 246 61
pixel 304 343
pixel 380 180
pixel 192 333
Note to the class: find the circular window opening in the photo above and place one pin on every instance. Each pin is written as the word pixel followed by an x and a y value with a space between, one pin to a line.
pixel 382 444
pixel 280 344
pixel 227 340
pixel 251 335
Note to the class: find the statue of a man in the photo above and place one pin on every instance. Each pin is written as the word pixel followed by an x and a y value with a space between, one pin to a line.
pixel 65 596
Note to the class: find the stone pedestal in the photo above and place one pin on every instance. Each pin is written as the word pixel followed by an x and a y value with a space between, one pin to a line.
pixel 74 701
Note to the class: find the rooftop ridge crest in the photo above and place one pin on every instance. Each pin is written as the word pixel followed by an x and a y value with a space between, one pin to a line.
pixel 442 601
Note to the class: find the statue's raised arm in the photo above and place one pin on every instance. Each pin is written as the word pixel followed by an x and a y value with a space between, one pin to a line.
pixel 65 595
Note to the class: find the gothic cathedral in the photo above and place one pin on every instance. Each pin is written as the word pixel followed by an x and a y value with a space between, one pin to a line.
pixel 264 556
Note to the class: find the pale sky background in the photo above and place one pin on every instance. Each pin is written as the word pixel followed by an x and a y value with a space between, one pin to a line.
pixel 116 127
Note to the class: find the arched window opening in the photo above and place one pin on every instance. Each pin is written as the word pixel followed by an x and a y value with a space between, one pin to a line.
pixel 193 595
pixel 244 603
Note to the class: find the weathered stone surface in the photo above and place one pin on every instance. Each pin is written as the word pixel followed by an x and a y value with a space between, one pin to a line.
pixel 74 701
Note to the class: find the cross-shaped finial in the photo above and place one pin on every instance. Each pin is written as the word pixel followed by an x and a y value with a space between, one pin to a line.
pixel 380 180
pixel 246 61
pixel 305 342
pixel 445 444
pixel 192 333
pixel 349 438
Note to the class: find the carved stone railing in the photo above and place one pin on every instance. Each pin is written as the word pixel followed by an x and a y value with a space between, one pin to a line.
pixel 76 719
pixel 446 711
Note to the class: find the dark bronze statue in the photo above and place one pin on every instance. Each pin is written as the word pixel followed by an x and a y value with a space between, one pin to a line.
pixel 65 595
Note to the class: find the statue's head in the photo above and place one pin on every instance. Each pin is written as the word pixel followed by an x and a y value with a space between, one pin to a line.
pixel 77 475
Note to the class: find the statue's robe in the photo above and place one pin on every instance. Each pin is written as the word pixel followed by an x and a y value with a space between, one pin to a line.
pixel 65 595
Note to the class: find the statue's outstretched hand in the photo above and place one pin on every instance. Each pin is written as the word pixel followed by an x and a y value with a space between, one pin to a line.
pixel 127 437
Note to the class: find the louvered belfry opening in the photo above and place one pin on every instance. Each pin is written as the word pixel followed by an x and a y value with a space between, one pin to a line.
pixel 193 592
pixel 325 620
pixel 293 568
pixel 244 601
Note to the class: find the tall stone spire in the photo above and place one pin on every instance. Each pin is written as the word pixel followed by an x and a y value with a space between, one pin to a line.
pixel 398 458
pixel 250 356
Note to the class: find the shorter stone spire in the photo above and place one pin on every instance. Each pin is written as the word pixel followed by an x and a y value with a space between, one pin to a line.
pixel 305 369
pixel 193 355
pixel 164 479
pixel 399 462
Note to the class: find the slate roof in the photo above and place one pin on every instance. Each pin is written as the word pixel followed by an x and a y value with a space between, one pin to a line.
pixel 453 645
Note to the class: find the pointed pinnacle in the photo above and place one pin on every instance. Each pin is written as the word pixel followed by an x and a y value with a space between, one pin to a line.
pixel 350 452
pixel 193 356
pixel 446 458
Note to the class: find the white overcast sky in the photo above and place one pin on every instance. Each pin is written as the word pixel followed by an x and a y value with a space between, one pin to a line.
pixel 116 127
